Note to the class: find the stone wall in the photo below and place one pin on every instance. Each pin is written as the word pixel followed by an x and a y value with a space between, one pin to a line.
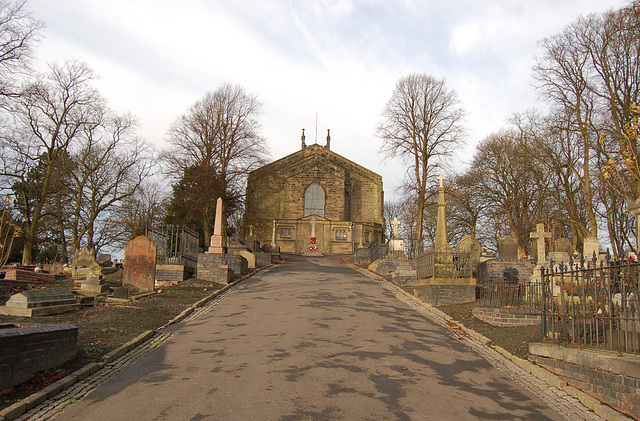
pixel 507 317
pixel 601 373
pixel 262 259
pixel 446 294
pixel 25 351
pixel 171 274
pixel 494 270
pixel 208 265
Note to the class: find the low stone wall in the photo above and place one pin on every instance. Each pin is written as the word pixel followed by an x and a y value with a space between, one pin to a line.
pixel 603 374
pixel 25 351
pixel 439 291
pixel 507 317
pixel 209 265
pixel 262 259
pixel 494 270
pixel 171 274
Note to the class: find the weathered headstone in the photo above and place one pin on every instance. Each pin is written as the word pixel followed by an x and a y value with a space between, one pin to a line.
pixel 140 264
pixel 121 292
pixel 104 260
pixel 590 246
pixel 563 245
pixel 94 283
pixel 507 248
pixel 471 246
pixel 562 250
pixel 84 258
pixel 40 302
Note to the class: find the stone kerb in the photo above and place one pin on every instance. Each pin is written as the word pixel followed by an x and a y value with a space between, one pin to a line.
pixel 140 264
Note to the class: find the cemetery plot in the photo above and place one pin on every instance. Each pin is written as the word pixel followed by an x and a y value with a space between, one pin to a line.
pixel 593 305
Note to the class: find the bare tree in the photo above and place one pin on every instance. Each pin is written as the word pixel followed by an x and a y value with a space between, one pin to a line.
pixel 143 209
pixel 50 116
pixel 18 33
pixel 511 184
pixel 422 123
pixel 218 137
pixel 107 167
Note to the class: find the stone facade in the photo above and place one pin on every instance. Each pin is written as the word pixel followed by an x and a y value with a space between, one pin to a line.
pixel 352 206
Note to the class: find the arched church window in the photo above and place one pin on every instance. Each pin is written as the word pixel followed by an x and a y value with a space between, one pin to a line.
pixel 314 201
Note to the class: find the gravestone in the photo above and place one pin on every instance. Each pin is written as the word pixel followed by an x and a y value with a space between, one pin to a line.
pixel 563 245
pixel 140 264
pixel 590 246
pixel 121 292
pixel 94 283
pixel 507 248
pixel 40 302
pixel 83 259
pixel 471 246
pixel 562 251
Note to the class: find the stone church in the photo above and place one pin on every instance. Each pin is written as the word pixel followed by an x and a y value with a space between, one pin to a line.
pixel 315 189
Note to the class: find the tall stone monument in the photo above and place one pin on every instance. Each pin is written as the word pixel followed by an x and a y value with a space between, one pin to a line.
pixel 443 257
pixel 440 282
pixel 442 243
pixel 216 246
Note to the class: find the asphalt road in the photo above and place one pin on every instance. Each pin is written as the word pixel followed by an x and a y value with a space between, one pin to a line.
pixel 309 340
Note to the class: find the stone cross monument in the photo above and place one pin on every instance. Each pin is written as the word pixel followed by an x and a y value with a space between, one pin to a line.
pixel 273 234
pixel 312 239
pixel 395 224
pixel 540 235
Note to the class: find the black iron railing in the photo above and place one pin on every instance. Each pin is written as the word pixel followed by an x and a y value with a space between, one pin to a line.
pixel 524 295
pixel 176 244
pixel 593 305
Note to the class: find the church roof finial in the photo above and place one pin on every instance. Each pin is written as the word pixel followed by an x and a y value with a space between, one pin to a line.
pixel 304 145
pixel 328 145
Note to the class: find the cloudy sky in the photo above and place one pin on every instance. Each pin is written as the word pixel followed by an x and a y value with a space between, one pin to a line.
pixel 337 59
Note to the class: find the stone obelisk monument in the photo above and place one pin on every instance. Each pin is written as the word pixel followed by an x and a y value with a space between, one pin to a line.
pixel 216 246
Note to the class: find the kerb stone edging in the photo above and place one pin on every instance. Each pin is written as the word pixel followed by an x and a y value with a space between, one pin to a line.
pixel 541 373
pixel 14 411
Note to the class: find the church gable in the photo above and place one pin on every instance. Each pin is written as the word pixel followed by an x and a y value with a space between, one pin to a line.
pixel 345 198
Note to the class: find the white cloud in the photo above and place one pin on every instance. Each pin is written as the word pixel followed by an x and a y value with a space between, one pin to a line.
pixel 339 59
